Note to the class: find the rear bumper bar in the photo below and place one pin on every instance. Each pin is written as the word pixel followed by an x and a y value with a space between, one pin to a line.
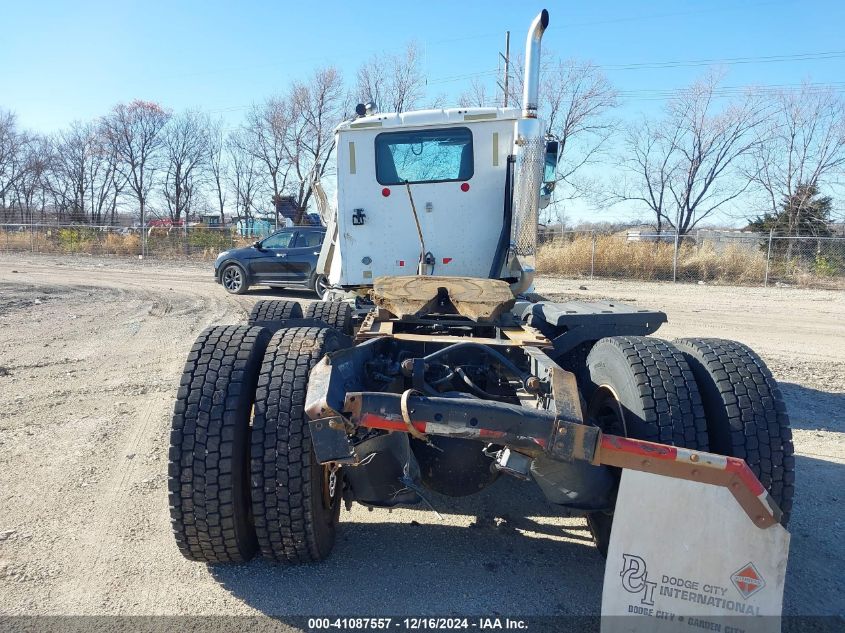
pixel 536 433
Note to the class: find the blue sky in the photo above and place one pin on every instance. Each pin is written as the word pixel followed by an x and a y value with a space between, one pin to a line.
pixel 61 61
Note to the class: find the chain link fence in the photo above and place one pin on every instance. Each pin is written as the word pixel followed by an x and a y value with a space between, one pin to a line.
pixel 702 256
pixel 729 257
pixel 166 242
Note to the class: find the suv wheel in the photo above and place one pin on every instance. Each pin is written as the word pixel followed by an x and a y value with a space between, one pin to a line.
pixel 233 279
pixel 320 285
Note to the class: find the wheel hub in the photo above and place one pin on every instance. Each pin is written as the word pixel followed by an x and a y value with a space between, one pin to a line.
pixel 232 278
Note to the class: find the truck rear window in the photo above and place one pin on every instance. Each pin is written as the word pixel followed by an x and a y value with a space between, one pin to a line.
pixel 424 156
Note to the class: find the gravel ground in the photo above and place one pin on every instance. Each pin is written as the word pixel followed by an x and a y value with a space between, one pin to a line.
pixel 90 355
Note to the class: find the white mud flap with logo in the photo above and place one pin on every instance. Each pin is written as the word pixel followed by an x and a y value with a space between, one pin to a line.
pixel 685 556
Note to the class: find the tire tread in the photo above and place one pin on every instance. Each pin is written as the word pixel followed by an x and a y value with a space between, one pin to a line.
pixel 274 310
pixel 208 494
pixel 335 314
pixel 674 413
pixel 281 468
pixel 753 423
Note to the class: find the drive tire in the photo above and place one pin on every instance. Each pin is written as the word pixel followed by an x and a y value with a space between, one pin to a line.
pixel 273 313
pixel 233 279
pixel 335 314
pixel 208 469
pixel 658 401
pixel 295 518
pixel 746 415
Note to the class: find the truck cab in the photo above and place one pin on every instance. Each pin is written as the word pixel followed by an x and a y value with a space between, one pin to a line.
pixel 448 193
pixel 447 167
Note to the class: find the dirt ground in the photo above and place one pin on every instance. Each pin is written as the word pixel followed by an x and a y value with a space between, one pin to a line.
pixel 90 355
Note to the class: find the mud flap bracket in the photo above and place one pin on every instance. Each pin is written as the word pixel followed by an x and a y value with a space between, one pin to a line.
pixel 331 442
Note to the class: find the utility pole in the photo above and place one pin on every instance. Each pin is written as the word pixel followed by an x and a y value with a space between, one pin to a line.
pixel 507 58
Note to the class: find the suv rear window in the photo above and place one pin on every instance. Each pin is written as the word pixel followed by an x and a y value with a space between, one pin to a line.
pixel 309 238
pixel 424 156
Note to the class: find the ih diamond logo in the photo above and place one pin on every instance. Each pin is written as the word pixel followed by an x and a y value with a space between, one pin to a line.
pixel 748 580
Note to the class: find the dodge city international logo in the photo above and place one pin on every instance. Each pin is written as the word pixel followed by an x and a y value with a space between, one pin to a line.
pixel 635 578
pixel 748 580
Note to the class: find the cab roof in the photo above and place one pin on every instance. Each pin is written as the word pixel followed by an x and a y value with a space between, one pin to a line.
pixel 427 118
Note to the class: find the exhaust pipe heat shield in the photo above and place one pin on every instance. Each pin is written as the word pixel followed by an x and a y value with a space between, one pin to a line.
pixel 529 152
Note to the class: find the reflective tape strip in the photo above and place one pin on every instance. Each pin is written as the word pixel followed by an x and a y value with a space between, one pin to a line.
pixel 387 422
pixel 711 460
pixel 683 463
pixel 373 421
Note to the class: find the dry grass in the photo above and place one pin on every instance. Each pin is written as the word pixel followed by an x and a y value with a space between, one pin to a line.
pixel 22 241
pixel 200 244
pixel 122 244
pixel 614 257
pixel 735 264
pixel 618 258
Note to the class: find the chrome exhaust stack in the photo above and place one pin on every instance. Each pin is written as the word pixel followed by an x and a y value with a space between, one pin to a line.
pixel 529 153
pixel 531 88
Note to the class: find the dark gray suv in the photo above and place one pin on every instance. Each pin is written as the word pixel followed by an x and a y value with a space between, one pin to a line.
pixel 286 258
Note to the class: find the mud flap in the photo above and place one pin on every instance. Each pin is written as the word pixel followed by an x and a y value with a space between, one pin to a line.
pixel 685 556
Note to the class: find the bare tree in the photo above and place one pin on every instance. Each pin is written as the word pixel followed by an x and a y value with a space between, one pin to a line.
pixel 576 102
pixel 687 165
pixel 801 148
pixel 106 180
pixel 265 136
pixel 476 96
pixel 649 167
pixel 218 166
pixel 30 189
pixel 12 165
pixel 438 101
pixel 186 150
pixel 395 83
pixel 135 132
pixel 243 175
pixel 82 174
pixel 73 171
pixel 317 108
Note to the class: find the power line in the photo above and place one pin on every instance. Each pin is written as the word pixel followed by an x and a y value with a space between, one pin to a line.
pixel 450 78
pixel 660 94
pixel 646 94
pixel 724 61
pixel 640 17
pixel 727 61
pixel 563 25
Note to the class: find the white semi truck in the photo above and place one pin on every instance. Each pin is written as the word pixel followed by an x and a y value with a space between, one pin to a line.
pixel 678 454
pixel 451 192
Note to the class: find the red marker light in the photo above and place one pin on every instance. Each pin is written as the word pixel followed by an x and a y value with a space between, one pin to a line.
pixel 446 260
pixel 385 192
pixel 464 186
pixel 401 262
